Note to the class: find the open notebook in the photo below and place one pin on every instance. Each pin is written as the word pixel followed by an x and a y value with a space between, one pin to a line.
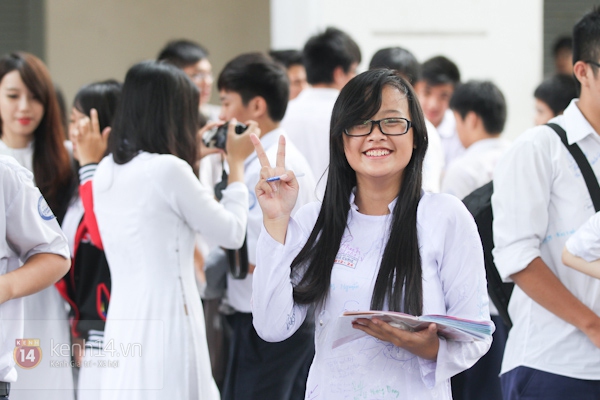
pixel 451 328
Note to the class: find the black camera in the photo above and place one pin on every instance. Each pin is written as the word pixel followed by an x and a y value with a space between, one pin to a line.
pixel 217 136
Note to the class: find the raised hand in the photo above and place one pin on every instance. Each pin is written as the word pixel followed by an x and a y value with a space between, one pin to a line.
pixel 278 198
pixel 89 144
pixel 238 146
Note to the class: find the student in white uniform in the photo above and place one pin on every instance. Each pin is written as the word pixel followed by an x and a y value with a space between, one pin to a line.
pixel 254 87
pixel 552 96
pixel 540 199
pixel 192 58
pixel 480 112
pixel 33 255
pixel 149 204
pixel 377 242
pixel 582 250
pixel 407 65
pixel 330 58
pixel 437 81
pixel 292 61
pixel 32 132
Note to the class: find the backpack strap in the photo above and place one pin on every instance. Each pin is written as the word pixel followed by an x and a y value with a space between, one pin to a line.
pixel 584 166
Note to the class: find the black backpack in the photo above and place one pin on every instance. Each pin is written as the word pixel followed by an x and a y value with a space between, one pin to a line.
pixel 479 204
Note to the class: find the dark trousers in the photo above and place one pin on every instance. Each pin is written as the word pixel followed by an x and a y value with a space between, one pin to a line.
pixel 4 390
pixel 482 380
pixel 259 370
pixel 523 383
pixel 217 339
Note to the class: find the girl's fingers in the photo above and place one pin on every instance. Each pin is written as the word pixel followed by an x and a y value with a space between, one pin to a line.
pixel 260 152
pixel 95 122
pixel 106 133
pixel 209 126
pixel 263 187
pixel 281 152
pixel 84 125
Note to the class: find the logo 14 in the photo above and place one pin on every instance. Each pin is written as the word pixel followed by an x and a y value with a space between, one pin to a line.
pixel 27 353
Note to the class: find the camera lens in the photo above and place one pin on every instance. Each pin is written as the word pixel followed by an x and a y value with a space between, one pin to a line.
pixel 240 128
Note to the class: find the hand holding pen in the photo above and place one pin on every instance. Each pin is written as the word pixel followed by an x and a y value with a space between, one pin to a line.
pixel 276 191
pixel 278 177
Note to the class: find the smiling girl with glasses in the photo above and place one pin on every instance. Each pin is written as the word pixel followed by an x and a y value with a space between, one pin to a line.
pixel 377 242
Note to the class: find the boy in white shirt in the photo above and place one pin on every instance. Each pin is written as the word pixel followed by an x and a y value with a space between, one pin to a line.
pixel 330 58
pixel 254 87
pixel 540 199
pixel 438 78
pixel 480 112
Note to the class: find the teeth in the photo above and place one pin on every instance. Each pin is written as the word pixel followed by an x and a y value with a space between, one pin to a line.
pixel 377 153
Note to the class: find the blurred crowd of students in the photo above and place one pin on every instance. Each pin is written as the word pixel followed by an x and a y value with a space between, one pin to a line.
pixel 163 230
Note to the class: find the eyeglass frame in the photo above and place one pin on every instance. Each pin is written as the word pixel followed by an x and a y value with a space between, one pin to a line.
pixel 201 76
pixel 378 123
pixel 594 63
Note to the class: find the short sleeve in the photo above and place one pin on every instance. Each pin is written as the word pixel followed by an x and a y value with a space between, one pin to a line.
pixel 585 242
pixel 31 227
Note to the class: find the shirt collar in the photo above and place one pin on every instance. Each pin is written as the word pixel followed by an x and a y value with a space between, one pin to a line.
pixel 447 127
pixel 267 140
pixel 575 124
pixel 318 93
pixel 485 144
pixel 29 147
pixel 354 207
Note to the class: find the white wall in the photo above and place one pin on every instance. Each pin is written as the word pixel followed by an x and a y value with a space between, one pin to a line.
pixel 496 40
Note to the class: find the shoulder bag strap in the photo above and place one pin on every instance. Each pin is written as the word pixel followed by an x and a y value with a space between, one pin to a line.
pixel 584 166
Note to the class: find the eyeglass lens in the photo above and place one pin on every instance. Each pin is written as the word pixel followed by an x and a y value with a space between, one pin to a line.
pixel 389 126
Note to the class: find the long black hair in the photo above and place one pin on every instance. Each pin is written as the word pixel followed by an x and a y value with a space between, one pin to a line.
pixel 51 164
pixel 103 97
pixel 399 278
pixel 157 113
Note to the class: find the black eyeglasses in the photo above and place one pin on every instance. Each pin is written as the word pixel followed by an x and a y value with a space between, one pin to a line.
pixel 594 63
pixel 387 126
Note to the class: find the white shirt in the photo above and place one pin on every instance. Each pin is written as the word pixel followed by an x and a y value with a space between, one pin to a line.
pixel 23 156
pixel 585 243
pixel 46 318
pixel 540 199
pixel 474 168
pixel 239 291
pixel 453 284
pixel 27 227
pixel 450 140
pixel 433 164
pixel 307 121
pixel 210 170
pixel 148 212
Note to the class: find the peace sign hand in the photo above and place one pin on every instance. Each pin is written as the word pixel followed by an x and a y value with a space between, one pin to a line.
pixel 277 199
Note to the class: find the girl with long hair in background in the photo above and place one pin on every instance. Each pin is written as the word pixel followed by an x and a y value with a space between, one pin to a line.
pixel 32 132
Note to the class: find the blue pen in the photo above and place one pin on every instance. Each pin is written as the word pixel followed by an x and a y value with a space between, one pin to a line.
pixel 278 177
